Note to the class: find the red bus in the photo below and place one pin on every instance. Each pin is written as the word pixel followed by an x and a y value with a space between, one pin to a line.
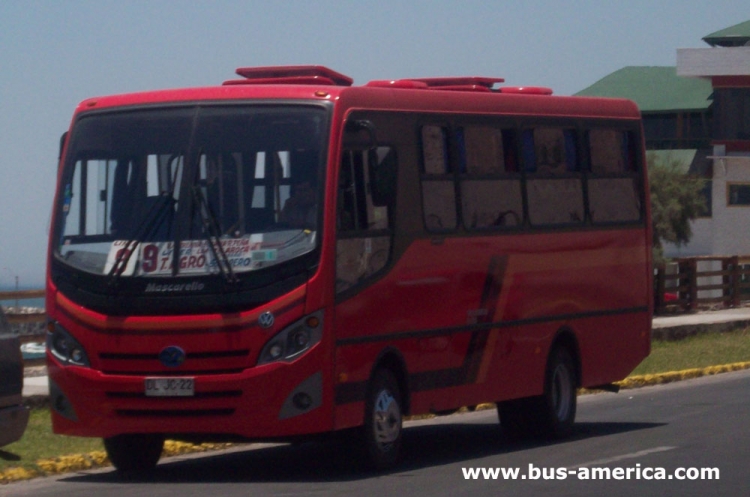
pixel 288 255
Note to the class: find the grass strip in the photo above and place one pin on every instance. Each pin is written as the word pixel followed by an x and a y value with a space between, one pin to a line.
pixel 700 351
pixel 95 459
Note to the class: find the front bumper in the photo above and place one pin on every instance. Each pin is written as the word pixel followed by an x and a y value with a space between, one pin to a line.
pixel 257 403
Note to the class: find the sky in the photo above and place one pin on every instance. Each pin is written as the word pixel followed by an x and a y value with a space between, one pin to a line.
pixel 54 54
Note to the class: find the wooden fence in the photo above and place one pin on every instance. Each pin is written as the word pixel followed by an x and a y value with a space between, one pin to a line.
pixel 15 317
pixel 690 283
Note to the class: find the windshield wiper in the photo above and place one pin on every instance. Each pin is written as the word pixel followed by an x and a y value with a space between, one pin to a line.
pixel 152 220
pixel 213 234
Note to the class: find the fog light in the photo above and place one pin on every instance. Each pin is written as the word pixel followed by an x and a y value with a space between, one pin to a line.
pixel 302 401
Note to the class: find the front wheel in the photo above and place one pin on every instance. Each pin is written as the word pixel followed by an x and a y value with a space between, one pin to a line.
pixel 383 420
pixel 136 453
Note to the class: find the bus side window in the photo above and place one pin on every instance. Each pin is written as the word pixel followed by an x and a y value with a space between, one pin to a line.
pixel 554 185
pixel 366 194
pixel 491 195
pixel 613 181
pixel 438 188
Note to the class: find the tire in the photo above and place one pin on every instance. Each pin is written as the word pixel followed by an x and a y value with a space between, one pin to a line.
pixel 134 453
pixel 383 426
pixel 560 396
pixel 550 415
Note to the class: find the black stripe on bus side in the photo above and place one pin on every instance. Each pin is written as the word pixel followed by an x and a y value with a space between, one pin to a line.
pixel 444 378
pixel 493 285
pixel 485 327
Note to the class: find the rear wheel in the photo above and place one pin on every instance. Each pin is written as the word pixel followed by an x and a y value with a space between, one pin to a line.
pixel 383 421
pixel 551 414
pixel 559 399
pixel 136 453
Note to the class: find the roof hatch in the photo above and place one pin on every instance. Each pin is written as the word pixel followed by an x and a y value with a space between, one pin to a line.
pixel 321 75
pixel 295 75
pixel 462 83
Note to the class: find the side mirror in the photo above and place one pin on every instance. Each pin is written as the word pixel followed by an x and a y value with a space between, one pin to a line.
pixel 62 146
pixel 359 135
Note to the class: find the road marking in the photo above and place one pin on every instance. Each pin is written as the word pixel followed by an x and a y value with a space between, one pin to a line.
pixel 622 457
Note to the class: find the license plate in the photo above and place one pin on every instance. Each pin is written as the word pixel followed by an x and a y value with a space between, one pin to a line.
pixel 170 387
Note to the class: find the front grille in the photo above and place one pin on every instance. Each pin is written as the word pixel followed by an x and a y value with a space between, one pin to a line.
pixel 178 372
pixel 195 363
pixel 156 413
pixel 221 354
pixel 224 394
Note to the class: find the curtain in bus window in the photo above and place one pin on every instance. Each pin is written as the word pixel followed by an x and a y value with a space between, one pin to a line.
pixel 438 194
pixel 555 201
pixel 359 258
pixel 613 200
pixel 439 203
pixel 612 187
pixel 491 203
pixel 554 151
pixel 435 150
pixel 527 150
pixel 484 150
pixel 607 151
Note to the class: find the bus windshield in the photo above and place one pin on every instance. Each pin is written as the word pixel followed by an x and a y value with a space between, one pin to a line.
pixel 235 188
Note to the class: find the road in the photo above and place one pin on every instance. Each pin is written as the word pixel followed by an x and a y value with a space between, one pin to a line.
pixel 693 424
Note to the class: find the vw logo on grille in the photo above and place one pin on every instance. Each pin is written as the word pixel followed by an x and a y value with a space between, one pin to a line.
pixel 172 356
pixel 266 320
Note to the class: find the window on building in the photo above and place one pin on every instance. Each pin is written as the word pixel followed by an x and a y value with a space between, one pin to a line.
pixel 732 114
pixel 738 194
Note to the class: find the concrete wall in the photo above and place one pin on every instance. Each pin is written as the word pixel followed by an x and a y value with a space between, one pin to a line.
pixel 731 224
pixel 702 62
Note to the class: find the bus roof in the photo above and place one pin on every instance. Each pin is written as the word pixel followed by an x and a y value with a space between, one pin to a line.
pixel 470 94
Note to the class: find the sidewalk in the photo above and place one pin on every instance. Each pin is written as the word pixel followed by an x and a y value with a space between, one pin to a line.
pixel 663 327
pixel 35 386
pixel 683 325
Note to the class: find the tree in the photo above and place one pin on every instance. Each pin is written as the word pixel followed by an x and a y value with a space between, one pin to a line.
pixel 676 199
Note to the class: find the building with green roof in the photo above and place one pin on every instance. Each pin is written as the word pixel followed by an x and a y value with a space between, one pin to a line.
pixel 733 36
pixel 698 113
pixel 676 110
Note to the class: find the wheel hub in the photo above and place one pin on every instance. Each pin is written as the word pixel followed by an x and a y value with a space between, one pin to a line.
pixel 387 419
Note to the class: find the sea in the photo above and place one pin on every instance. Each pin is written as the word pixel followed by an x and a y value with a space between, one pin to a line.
pixel 38 302
pixel 32 350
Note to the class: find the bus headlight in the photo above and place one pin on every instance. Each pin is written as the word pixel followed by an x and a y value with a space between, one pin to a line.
pixel 64 347
pixel 293 340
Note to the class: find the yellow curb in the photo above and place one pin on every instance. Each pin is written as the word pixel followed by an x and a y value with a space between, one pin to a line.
pixel 97 459
pixel 671 376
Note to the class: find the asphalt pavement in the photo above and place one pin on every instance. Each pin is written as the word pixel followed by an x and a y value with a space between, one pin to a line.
pixel 675 430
